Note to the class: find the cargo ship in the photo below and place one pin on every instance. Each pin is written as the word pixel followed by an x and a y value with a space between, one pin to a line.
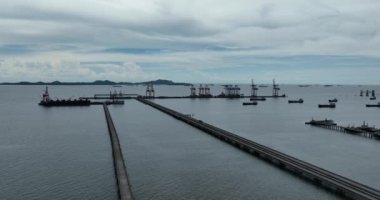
pixel 257 99
pixel 249 103
pixel 47 101
pixel 330 105
pixel 296 101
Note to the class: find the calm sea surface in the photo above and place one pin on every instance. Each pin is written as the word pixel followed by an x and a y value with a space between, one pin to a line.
pixel 64 153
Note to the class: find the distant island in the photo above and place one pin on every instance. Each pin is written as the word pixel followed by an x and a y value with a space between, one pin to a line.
pixel 99 82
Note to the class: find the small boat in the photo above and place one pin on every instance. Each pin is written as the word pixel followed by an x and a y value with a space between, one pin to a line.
pixel 333 100
pixel 372 98
pixel 304 85
pixel 249 103
pixel 257 98
pixel 373 105
pixel 328 85
pixel 263 86
pixel 330 105
pixel 296 101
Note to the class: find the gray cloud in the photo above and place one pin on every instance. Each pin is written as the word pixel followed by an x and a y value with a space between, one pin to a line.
pixel 200 35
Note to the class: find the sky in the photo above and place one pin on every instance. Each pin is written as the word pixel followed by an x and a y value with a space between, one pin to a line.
pixel 196 41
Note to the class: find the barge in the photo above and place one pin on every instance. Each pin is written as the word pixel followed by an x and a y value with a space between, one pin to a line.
pixel 47 101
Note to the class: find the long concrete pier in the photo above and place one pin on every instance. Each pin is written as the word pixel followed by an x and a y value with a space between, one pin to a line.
pixel 123 185
pixel 331 181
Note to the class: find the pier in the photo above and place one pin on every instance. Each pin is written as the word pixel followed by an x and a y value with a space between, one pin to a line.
pixel 124 189
pixel 364 130
pixel 336 183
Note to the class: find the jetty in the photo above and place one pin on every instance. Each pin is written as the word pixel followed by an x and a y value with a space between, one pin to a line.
pixel 339 184
pixel 124 188
pixel 363 130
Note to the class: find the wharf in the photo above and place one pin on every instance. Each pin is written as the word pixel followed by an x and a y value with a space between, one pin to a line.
pixel 124 189
pixel 114 102
pixel 363 130
pixel 339 184
pixel 209 97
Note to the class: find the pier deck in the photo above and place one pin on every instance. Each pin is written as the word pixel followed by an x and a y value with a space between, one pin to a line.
pixel 97 96
pixel 339 184
pixel 124 189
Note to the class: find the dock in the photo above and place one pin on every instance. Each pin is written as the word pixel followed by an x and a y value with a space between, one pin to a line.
pixel 124 189
pixel 331 181
pixel 364 130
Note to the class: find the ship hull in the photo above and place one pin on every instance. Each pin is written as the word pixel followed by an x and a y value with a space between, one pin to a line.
pixel 65 103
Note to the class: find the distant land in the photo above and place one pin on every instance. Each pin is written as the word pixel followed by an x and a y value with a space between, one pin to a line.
pixel 98 82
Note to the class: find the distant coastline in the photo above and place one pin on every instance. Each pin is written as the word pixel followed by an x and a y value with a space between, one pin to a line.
pixel 98 82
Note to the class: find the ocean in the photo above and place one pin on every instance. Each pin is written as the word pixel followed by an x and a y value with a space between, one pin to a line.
pixel 65 153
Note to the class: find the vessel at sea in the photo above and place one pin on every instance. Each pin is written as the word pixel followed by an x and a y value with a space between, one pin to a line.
pixel 47 101
pixel 330 105
pixel 296 101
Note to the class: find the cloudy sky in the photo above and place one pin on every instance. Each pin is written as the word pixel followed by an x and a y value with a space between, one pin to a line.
pixel 294 41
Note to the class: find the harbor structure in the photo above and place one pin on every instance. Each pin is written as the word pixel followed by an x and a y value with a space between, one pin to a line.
pixel 276 88
pixel 193 91
pixel 254 89
pixel 149 93
pixel 231 91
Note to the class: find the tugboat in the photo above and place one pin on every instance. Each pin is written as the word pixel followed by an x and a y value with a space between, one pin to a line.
pixel 46 101
pixel 296 101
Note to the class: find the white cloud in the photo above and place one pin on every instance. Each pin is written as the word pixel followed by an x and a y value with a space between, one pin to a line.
pixel 71 71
